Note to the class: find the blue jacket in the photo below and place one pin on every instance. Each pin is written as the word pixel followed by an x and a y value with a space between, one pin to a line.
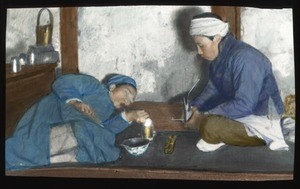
pixel 29 145
pixel 240 82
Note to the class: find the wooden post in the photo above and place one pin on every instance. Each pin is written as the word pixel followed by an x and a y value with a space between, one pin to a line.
pixel 232 15
pixel 68 38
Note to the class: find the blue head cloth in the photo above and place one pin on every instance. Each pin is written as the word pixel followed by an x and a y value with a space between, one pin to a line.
pixel 121 79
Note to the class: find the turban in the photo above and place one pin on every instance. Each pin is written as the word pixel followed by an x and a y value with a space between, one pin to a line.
pixel 208 27
pixel 121 79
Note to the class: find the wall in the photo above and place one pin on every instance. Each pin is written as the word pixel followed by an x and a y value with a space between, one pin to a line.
pixel 149 43
pixel 271 31
pixel 152 44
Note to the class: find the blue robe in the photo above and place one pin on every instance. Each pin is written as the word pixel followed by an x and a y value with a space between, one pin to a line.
pixel 29 144
pixel 240 83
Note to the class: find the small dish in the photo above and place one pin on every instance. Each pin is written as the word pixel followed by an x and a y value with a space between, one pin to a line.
pixel 136 146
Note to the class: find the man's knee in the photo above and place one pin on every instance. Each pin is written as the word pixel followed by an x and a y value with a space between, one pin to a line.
pixel 215 129
pixel 210 128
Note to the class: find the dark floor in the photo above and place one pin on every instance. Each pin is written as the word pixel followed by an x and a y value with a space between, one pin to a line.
pixel 186 155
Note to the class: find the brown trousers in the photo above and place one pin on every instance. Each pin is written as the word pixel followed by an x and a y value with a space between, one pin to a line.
pixel 215 129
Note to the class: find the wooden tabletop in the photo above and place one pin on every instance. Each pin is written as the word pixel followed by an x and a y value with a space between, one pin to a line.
pixel 27 70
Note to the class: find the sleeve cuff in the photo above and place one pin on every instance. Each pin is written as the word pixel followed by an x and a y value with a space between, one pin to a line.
pixel 124 117
pixel 70 99
pixel 205 113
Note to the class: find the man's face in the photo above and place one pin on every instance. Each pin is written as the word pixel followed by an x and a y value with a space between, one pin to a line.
pixel 123 95
pixel 207 49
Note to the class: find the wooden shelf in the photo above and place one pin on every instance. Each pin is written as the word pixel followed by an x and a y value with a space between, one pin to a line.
pixel 23 89
pixel 28 70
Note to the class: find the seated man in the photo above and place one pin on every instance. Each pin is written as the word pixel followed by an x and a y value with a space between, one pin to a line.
pixel 233 107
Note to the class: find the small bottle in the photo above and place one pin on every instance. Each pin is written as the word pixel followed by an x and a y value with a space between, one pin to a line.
pixel 31 58
pixel 15 65
pixel 23 59
pixel 148 129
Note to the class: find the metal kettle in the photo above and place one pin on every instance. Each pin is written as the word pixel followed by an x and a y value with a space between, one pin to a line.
pixel 44 32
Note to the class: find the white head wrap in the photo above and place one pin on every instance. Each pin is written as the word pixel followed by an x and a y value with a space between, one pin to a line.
pixel 208 27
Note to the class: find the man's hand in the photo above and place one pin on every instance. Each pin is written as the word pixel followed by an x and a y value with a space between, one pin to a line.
pixel 194 122
pixel 138 116
pixel 85 109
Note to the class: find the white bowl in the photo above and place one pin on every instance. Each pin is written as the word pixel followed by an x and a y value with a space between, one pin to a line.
pixel 136 146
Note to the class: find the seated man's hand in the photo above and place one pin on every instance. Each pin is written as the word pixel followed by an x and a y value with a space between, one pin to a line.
pixel 194 122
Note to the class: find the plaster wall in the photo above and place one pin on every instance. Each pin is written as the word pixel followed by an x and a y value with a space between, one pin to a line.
pixel 271 31
pixel 149 43
pixel 152 44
